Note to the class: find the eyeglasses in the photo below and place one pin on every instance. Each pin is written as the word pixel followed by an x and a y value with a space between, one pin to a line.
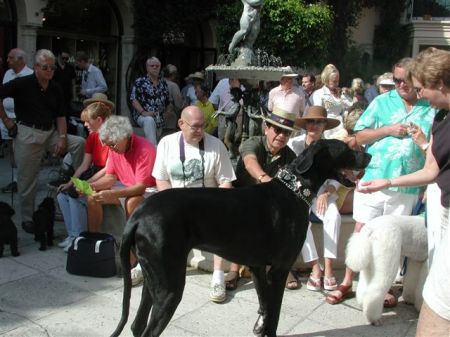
pixel 399 81
pixel 113 146
pixel 419 91
pixel 47 67
pixel 316 121
pixel 279 130
pixel 65 58
pixel 154 65
pixel 195 127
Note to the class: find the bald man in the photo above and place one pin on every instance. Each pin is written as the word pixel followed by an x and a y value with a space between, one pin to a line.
pixel 193 158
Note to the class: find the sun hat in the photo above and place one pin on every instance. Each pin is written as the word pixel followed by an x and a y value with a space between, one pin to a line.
pixel 281 118
pixel 317 112
pixel 288 72
pixel 386 79
pixel 99 97
pixel 198 75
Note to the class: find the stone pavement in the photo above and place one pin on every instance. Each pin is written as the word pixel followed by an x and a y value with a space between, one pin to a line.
pixel 39 298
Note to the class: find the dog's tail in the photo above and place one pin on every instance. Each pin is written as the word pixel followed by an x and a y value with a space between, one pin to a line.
pixel 358 250
pixel 125 249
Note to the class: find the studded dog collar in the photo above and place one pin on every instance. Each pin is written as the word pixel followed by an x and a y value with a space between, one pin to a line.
pixel 295 185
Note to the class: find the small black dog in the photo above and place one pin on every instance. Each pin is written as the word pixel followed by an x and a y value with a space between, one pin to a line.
pixel 44 219
pixel 8 231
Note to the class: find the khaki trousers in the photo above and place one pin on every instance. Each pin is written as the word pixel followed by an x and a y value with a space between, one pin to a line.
pixel 30 145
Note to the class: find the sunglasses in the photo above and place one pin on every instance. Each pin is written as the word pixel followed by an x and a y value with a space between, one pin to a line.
pixel 398 81
pixel 279 130
pixel 419 91
pixel 47 67
pixel 316 121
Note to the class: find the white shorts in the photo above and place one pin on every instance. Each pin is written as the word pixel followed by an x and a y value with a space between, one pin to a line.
pixel 367 206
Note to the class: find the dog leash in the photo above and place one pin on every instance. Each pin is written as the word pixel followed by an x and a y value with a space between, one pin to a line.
pixel 295 185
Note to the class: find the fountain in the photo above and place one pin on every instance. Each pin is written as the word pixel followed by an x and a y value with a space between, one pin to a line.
pixel 242 62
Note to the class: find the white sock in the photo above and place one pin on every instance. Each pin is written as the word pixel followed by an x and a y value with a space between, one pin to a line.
pixel 218 277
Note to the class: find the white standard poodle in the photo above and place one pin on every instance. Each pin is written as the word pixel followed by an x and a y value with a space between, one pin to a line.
pixel 375 252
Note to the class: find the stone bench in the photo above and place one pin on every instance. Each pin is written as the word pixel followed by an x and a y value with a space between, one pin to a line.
pixel 204 260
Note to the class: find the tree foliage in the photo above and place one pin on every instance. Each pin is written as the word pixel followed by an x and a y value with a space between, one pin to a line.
pixel 297 32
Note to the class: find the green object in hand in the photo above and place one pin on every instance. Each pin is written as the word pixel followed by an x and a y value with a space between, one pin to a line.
pixel 83 186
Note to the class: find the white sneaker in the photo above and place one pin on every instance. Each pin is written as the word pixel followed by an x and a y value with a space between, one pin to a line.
pixel 136 276
pixel 69 244
pixel 218 293
pixel 64 242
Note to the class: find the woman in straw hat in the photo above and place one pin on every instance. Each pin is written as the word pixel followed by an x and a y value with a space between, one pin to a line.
pixel 325 206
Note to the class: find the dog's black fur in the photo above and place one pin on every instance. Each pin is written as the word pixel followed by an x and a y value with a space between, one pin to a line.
pixel 8 231
pixel 258 226
pixel 44 219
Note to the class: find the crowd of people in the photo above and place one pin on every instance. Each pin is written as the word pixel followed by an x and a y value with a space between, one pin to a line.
pixel 191 136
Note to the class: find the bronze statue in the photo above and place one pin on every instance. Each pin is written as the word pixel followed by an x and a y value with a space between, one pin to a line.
pixel 245 37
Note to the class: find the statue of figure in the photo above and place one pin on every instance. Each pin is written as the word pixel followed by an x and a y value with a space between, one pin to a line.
pixel 249 29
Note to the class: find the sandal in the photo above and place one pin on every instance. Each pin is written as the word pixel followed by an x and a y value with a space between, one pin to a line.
pixel 231 280
pixel 314 284
pixel 329 283
pixel 345 292
pixel 390 300
pixel 292 282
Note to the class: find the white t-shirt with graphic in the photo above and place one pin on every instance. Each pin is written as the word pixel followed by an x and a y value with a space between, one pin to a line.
pixel 214 169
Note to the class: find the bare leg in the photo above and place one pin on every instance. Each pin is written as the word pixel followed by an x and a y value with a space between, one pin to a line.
pixel 94 214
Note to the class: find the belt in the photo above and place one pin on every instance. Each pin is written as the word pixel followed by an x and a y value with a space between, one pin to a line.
pixel 36 126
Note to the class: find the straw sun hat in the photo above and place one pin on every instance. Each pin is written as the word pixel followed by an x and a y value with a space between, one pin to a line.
pixel 317 112
pixel 281 118
pixel 99 97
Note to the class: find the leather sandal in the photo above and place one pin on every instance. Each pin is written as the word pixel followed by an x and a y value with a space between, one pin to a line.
pixel 345 292
pixel 292 282
pixel 231 280
pixel 390 300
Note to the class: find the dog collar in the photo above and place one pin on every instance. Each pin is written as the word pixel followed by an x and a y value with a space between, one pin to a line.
pixel 295 185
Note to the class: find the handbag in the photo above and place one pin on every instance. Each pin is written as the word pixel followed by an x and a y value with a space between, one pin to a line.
pixel 92 254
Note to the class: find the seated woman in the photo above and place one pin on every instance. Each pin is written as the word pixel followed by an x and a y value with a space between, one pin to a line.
pixel 73 208
pixel 325 205
pixel 128 171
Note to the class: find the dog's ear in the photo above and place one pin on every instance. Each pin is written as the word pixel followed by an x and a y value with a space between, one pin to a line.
pixel 305 160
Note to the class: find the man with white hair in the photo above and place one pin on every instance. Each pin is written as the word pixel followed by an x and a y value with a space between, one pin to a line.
pixel 17 68
pixel 150 98
pixel 287 96
pixel 41 127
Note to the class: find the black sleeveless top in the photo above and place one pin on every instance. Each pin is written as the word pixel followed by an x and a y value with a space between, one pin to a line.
pixel 441 152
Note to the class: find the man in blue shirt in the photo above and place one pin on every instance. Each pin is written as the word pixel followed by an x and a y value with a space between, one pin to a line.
pixel 92 80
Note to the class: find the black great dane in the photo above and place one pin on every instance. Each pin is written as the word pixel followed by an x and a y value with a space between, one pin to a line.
pixel 258 226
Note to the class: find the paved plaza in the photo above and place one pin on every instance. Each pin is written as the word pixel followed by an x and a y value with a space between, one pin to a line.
pixel 39 298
